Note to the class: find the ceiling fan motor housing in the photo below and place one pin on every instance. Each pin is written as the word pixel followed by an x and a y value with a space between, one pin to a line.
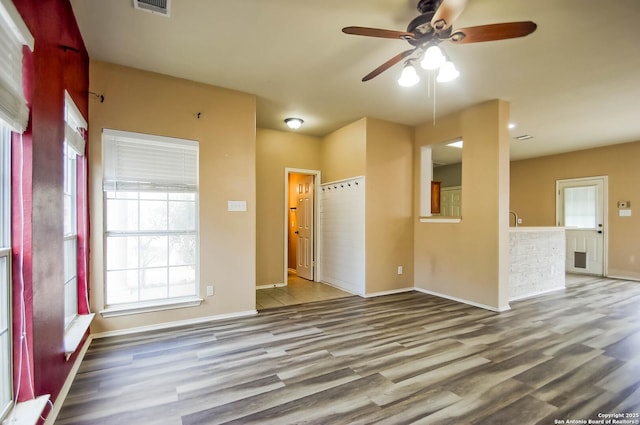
pixel 425 6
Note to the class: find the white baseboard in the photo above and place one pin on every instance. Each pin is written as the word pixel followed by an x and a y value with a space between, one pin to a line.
pixel 169 325
pixel 62 395
pixel 463 301
pixel 391 292
pixel 271 285
pixel 621 277
pixel 536 294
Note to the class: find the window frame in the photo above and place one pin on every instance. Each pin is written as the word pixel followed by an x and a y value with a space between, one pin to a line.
pixel 73 147
pixel 70 236
pixel 110 188
pixel 6 335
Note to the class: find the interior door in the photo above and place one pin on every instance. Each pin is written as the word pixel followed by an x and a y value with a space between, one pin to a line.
pixel 304 232
pixel 581 210
pixel 451 201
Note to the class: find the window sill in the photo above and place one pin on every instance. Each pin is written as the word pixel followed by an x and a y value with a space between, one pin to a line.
pixel 138 308
pixel 74 333
pixel 440 219
pixel 27 412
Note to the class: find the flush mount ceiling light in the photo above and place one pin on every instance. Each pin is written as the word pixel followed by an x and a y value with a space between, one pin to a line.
pixel 457 144
pixel 293 123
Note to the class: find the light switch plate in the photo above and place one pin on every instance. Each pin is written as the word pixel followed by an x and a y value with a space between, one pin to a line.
pixel 236 205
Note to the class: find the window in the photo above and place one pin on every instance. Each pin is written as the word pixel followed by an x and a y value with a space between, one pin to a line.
pixel 151 219
pixel 580 207
pixel 14 115
pixel 74 146
pixel 6 390
pixel 70 236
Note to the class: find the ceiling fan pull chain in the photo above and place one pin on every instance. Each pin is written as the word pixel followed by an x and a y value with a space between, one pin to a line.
pixel 434 102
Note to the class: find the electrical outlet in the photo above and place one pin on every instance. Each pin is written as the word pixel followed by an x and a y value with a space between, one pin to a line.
pixel 519 220
pixel 210 291
pixel 400 270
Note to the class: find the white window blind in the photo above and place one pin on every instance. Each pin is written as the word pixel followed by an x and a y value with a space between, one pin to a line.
pixel 75 125
pixel 142 162
pixel 13 35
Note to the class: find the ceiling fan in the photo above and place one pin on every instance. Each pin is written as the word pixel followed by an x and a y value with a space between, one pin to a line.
pixel 434 25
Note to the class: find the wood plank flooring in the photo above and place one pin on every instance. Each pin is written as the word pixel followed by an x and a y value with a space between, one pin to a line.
pixel 397 359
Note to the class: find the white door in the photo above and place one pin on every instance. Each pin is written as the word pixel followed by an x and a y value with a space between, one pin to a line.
pixel 451 201
pixel 581 210
pixel 304 232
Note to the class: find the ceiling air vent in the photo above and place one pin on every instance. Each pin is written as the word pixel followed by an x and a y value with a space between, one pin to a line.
pixel 161 7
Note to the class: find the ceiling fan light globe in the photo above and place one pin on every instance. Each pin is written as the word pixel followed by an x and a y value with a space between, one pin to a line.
pixel 409 77
pixel 433 58
pixel 448 72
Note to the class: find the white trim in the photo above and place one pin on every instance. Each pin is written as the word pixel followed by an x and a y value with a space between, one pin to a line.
pixel 391 292
pixel 64 391
pixel 139 308
pixel 271 285
pixel 620 277
pixel 440 220
pixel 535 294
pixel 317 181
pixel 426 175
pixel 27 412
pixel 341 289
pixel 175 324
pixel 74 333
pixel 12 17
pixel 537 229
pixel 463 301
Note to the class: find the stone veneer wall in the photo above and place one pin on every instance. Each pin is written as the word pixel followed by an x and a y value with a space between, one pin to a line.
pixel 537 263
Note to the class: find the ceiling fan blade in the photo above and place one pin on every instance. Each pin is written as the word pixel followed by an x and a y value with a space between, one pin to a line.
pixel 447 13
pixel 388 64
pixel 492 32
pixel 376 32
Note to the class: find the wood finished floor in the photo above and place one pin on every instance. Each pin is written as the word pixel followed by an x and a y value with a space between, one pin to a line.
pixel 397 359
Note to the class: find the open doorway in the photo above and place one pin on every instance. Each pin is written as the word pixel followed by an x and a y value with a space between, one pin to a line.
pixel 301 224
pixel 301 269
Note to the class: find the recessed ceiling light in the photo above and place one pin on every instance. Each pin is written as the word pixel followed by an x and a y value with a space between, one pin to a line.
pixel 456 144
pixel 512 125
pixel 523 137
pixel 293 123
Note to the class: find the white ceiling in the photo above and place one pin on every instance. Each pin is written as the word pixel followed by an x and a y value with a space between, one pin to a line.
pixel 572 84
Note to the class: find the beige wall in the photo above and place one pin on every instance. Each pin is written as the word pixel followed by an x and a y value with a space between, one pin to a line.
pixel 389 206
pixel 151 103
pixel 533 195
pixel 380 150
pixel 469 260
pixel 344 152
pixel 276 151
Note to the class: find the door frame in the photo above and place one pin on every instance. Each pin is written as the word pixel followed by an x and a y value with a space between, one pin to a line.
pixel 316 220
pixel 605 213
